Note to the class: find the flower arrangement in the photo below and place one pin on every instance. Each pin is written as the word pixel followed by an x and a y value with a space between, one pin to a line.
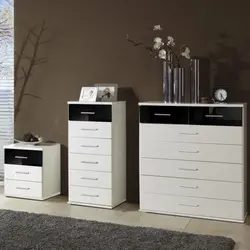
pixel 163 48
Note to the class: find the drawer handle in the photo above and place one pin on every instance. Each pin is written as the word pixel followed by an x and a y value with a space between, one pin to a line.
pixel 187 205
pixel 22 172
pixel 191 152
pixel 21 157
pixel 87 113
pixel 89 195
pixel 91 179
pixel 90 146
pixel 159 114
pixel 214 116
pixel 90 162
pixel 189 169
pixel 22 188
pixel 188 133
pixel 189 187
pixel 90 129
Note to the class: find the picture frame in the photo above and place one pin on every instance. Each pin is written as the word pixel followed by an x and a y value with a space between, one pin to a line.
pixel 88 94
pixel 107 92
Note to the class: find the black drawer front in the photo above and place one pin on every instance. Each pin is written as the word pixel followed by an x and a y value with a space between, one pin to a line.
pixel 88 112
pixel 23 157
pixel 164 114
pixel 217 116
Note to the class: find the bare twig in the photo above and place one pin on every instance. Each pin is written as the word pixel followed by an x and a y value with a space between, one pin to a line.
pixel 32 95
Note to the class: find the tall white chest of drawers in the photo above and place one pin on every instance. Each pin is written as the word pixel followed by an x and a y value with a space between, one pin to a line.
pixel 193 160
pixel 97 153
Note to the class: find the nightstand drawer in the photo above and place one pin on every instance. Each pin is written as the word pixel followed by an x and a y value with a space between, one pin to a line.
pixel 90 129
pixel 90 112
pixel 24 173
pixel 23 157
pixel 23 189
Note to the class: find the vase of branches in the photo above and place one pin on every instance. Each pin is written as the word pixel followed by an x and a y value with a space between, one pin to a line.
pixel 164 49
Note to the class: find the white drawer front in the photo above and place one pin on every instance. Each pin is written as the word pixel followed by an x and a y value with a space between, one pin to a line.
pixel 90 146
pixel 192 169
pixel 192 151
pixel 90 179
pixel 90 129
pixel 88 195
pixel 194 188
pixel 231 210
pixel 24 173
pixel 90 162
pixel 192 133
pixel 23 189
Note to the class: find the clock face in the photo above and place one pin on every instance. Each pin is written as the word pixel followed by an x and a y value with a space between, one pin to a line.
pixel 220 95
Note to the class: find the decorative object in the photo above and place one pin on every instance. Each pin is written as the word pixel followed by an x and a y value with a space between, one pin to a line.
pixel 220 95
pixel 107 92
pixel 164 49
pixel 97 153
pixel 88 94
pixel 205 100
pixel 30 139
pixel 54 232
pixel 32 172
pixel 205 157
pixel 178 85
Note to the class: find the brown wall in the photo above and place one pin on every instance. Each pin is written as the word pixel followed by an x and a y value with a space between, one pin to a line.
pixel 89 46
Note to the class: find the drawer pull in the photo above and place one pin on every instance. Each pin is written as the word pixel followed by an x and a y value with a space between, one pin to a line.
pixel 188 133
pixel 90 162
pixel 189 169
pixel 90 129
pixel 22 172
pixel 191 152
pixel 90 146
pixel 21 157
pixel 22 188
pixel 189 187
pixel 89 195
pixel 214 116
pixel 91 179
pixel 159 114
pixel 87 113
pixel 187 205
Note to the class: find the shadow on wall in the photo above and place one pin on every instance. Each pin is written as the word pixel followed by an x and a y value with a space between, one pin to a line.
pixel 132 129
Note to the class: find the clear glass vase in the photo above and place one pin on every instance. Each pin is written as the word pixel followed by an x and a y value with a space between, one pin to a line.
pixel 168 80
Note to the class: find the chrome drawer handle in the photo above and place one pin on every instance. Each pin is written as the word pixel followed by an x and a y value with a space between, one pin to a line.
pixel 90 146
pixel 87 113
pixel 189 169
pixel 189 187
pixel 22 172
pixel 91 179
pixel 159 114
pixel 214 116
pixel 90 129
pixel 90 162
pixel 191 152
pixel 89 195
pixel 187 205
pixel 21 157
pixel 188 133
pixel 22 188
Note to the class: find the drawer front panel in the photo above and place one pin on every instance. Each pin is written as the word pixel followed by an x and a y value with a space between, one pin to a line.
pixel 192 151
pixel 192 169
pixel 90 129
pixel 23 157
pixel 164 114
pixel 221 209
pixel 23 189
pixel 90 112
pixel 216 116
pixel 192 133
pixel 24 173
pixel 192 188
pixel 90 179
pixel 90 162
pixel 90 146
pixel 88 195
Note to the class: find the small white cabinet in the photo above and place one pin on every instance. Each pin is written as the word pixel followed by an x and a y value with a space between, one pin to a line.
pixel 32 172
pixel 97 153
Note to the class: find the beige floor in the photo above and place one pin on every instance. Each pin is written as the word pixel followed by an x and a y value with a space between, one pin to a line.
pixel 128 214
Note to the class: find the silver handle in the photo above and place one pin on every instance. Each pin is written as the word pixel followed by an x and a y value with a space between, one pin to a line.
pixel 90 162
pixel 90 129
pixel 92 179
pixel 89 195
pixel 21 157
pixel 90 146
pixel 189 169
pixel 187 205
pixel 22 172
pixel 22 188
pixel 87 113
pixel 214 116
pixel 189 187
pixel 188 133
pixel 159 114
pixel 191 152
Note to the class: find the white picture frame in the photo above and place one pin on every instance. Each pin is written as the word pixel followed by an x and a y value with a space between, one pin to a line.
pixel 88 94
pixel 107 92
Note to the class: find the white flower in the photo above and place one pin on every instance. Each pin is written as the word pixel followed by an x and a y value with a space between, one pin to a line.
pixel 157 43
pixel 170 40
pixel 186 53
pixel 157 40
pixel 162 54
pixel 157 27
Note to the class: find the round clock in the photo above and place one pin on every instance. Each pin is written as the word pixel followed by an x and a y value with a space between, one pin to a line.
pixel 220 95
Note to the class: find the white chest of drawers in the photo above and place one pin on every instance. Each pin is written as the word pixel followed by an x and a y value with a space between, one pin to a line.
pixel 32 172
pixel 193 160
pixel 97 153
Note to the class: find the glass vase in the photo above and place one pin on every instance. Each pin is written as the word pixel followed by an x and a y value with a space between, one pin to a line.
pixel 168 80
pixel 178 85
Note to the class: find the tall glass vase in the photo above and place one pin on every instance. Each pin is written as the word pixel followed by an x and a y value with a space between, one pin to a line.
pixel 178 85
pixel 168 79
